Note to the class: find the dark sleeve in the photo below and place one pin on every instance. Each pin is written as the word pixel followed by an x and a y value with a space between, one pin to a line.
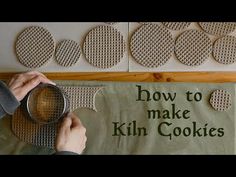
pixel 8 102
pixel 65 153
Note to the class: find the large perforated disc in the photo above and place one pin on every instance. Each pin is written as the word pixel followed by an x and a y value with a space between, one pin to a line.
pixel 218 28
pixel 176 25
pixel 152 45
pixel 32 132
pixel 220 100
pixel 104 47
pixel 35 47
pixel 224 50
pixel 67 53
pixel 193 47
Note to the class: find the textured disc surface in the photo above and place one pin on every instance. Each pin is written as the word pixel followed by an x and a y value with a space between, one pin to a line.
pixel 220 100
pixel 104 47
pixel 193 47
pixel 35 47
pixel 37 134
pixel 218 28
pixel 176 25
pixel 224 50
pixel 151 45
pixel 67 53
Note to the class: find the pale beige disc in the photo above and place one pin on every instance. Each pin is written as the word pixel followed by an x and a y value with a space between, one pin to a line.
pixel 193 47
pixel 35 47
pixel 151 45
pixel 104 47
pixel 218 28
pixel 176 25
pixel 224 50
pixel 67 53
pixel 221 100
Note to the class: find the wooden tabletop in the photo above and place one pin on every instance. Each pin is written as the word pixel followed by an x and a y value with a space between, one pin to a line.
pixel 217 77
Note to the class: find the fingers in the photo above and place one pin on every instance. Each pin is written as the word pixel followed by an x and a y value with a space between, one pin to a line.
pixel 66 124
pixel 43 78
pixel 65 128
pixel 30 85
pixel 21 79
pixel 75 120
pixel 63 133
pixel 36 73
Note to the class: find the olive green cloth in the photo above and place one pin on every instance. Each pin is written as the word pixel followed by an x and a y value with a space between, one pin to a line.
pixel 116 103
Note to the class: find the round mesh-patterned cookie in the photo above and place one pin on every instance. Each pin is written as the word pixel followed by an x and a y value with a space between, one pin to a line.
pixel 224 50
pixel 176 25
pixel 218 28
pixel 104 47
pixel 35 47
pixel 151 45
pixel 193 47
pixel 67 53
pixel 220 100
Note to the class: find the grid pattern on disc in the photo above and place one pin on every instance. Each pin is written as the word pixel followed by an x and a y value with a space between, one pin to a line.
pixel 79 100
pixel 35 47
pixel 44 134
pixel 29 131
pixel 176 25
pixel 67 53
pixel 224 50
pixel 193 47
pixel 218 28
pixel 151 45
pixel 220 100
pixel 104 47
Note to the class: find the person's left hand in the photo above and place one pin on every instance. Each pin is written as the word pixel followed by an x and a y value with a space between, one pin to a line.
pixel 21 84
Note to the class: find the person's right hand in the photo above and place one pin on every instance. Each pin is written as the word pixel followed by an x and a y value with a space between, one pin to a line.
pixel 71 136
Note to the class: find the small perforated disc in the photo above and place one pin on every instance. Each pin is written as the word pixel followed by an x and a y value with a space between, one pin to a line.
pixel 176 25
pixel 151 45
pixel 224 50
pixel 35 47
pixel 220 100
pixel 218 28
pixel 104 47
pixel 67 53
pixel 193 47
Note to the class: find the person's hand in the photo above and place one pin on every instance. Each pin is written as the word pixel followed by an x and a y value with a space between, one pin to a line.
pixel 22 83
pixel 71 136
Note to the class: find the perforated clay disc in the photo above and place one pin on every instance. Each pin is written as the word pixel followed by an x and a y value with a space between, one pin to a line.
pixel 104 47
pixel 151 45
pixel 176 25
pixel 224 50
pixel 193 47
pixel 67 53
pixel 220 100
pixel 35 47
pixel 32 132
pixel 218 28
